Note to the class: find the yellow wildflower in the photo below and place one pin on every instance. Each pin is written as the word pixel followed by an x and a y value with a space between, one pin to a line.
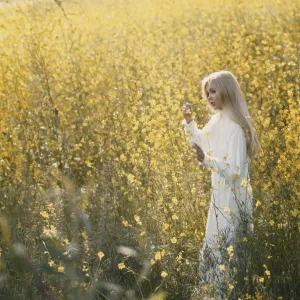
pixel 258 203
pixel 137 219
pixel 164 274
pixel 100 255
pixel 166 226
pixel 61 269
pixel 244 182
pixel 221 267
pixel 51 263
pixel 227 209
pixel 158 256
pixel 174 217
pixel 174 240
pixel 121 266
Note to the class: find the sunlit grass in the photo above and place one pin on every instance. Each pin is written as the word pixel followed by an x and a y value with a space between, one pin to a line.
pixel 90 119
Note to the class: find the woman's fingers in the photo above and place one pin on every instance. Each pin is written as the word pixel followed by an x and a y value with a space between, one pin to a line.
pixel 187 108
pixel 198 152
pixel 186 111
pixel 198 148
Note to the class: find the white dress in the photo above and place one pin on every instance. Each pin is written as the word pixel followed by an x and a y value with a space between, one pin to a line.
pixel 224 144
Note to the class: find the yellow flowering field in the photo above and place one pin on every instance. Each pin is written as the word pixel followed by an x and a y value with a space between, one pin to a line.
pixel 101 197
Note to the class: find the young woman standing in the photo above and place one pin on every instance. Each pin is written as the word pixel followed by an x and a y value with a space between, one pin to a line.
pixel 225 145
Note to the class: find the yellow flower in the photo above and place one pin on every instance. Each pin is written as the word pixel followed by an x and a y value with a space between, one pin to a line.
pixel 123 157
pixel 244 182
pixel 84 235
pixel 121 266
pixel 294 212
pixel 268 273
pixel 271 222
pixel 230 287
pixel 230 251
pixel 227 209
pixel 166 226
pixel 236 176
pixel 51 263
pixel 174 240
pixel 164 274
pixel 61 269
pixel 158 256
pixel 221 267
pixel 174 200
pixel 137 219
pixel 261 279
pixel 258 203
pixel 179 257
pixel 44 214
pixel 125 223
pixel 174 217
pixel 100 254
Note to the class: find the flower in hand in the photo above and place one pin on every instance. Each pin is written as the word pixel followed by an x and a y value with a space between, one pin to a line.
pixel 199 154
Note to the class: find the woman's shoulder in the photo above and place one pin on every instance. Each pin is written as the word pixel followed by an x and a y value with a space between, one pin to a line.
pixel 214 117
pixel 236 129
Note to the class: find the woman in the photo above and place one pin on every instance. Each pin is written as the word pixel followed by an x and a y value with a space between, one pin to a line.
pixel 225 145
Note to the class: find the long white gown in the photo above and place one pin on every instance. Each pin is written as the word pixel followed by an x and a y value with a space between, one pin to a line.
pixel 224 144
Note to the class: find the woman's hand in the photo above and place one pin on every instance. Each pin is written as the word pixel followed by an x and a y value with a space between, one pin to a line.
pixel 187 112
pixel 199 152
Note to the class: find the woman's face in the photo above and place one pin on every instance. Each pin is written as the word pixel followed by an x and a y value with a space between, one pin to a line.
pixel 213 95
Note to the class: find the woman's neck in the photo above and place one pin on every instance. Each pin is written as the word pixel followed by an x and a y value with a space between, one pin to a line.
pixel 224 113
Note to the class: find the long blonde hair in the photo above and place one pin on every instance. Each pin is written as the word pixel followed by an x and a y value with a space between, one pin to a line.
pixel 234 103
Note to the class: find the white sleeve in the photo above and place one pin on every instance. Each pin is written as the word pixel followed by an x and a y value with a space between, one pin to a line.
pixel 192 131
pixel 233 162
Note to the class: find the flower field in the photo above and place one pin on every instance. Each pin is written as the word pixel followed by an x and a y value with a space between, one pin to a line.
pixel 100 195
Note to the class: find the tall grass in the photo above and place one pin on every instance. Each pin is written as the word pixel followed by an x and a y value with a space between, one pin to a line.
pixel 93 155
